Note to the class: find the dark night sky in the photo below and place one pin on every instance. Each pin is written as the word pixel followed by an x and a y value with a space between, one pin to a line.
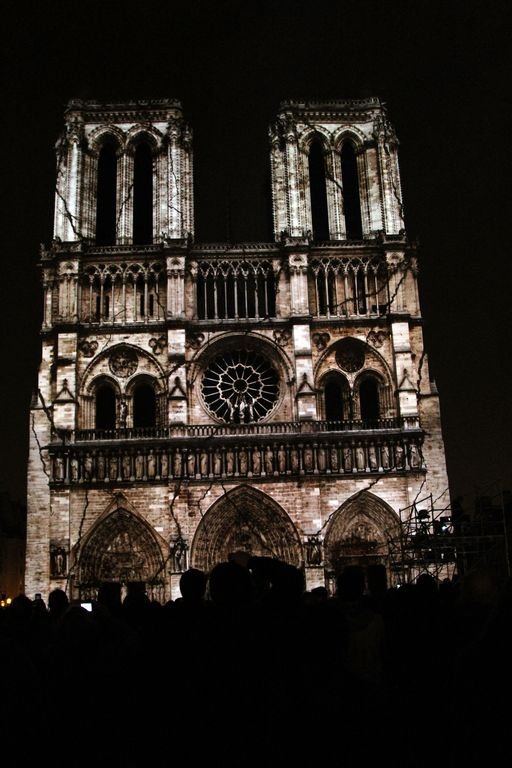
pixel 444 70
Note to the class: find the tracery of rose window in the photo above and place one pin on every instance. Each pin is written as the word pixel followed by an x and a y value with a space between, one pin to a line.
pixel 240 386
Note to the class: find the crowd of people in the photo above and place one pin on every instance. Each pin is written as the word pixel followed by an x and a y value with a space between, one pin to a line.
pixel 247 665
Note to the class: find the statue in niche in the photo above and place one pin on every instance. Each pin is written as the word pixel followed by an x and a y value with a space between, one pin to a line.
pixel 151 464
pixel 243 409
pixel 384 454
pixel 269 460
pixel 88 466
pixel 334 459
pixel 347 458
pixel 399 456
pixel 313 551
pixel 139 465
pixel 204 463
pixel 74 468
pixel 281 459
pixel 321 459
pixel 125 466
pixel 414 456
pixel 243 461
pixel 112 462
pixel 191 464
pixel 177 463
pixel 230 462
pixel 372 457
pixel 294 460
pixel 58 562
pixel 360 460
pixel 256 461
pixel 100 466
pixel 123 413
pixel 179 555
pixel 164 464
pixel 217 462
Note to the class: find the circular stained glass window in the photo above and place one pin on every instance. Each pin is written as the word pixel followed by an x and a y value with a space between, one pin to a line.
pixel 240 387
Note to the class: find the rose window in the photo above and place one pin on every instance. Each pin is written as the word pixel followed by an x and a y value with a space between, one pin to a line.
pixel 350 355
pixel 240 387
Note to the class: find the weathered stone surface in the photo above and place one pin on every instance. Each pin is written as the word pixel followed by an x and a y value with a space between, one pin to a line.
pixel 199 399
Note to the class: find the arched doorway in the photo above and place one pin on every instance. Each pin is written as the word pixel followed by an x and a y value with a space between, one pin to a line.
pixel 247 520
pixel 121 550
pixel 363 532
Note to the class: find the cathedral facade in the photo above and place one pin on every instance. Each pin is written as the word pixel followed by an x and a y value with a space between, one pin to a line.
pixel 196 400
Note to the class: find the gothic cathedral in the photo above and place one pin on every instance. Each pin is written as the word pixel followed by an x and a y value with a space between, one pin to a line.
pixel 200 399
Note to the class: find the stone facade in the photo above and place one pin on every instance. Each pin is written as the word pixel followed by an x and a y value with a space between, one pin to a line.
pixel 199 399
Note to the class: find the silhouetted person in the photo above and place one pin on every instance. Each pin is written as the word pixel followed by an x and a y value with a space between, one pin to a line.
pixel 193 584
pixel 58 602
pixel 22 691
pixel 365 662
pixel 190 618
pixel 483 681
pixel 109 598
pixel 230 587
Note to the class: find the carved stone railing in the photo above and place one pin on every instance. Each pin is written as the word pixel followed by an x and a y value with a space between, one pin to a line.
pixel 202 250
pixel 175 431
pixel 249 455
pixel 123 250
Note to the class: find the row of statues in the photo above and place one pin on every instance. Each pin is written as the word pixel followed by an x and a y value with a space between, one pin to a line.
pixel 226 461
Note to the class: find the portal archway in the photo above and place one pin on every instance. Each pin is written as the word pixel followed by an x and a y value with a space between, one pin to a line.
pixel 245 519
pixel 362 532
pixel 121 549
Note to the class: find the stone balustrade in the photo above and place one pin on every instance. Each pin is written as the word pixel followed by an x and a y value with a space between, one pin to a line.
pixel 249 455
pixel 243 430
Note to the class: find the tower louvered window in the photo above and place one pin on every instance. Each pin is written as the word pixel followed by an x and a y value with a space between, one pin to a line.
pixel 106 194
pixel 318 193
pixel 351 199
pixel 143 195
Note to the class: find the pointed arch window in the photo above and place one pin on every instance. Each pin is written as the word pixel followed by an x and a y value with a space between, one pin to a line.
pixel 338 401
pixel 105 407
pixel 326 294
pixel 144 406
pixel 106 195
pixel 369 400
pixel 351 198
pixel 318 192
pixel 237 289
pixel 360 292
pixel 143 194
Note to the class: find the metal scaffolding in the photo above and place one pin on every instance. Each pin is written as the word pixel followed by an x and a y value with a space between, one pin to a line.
pixel 446 541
